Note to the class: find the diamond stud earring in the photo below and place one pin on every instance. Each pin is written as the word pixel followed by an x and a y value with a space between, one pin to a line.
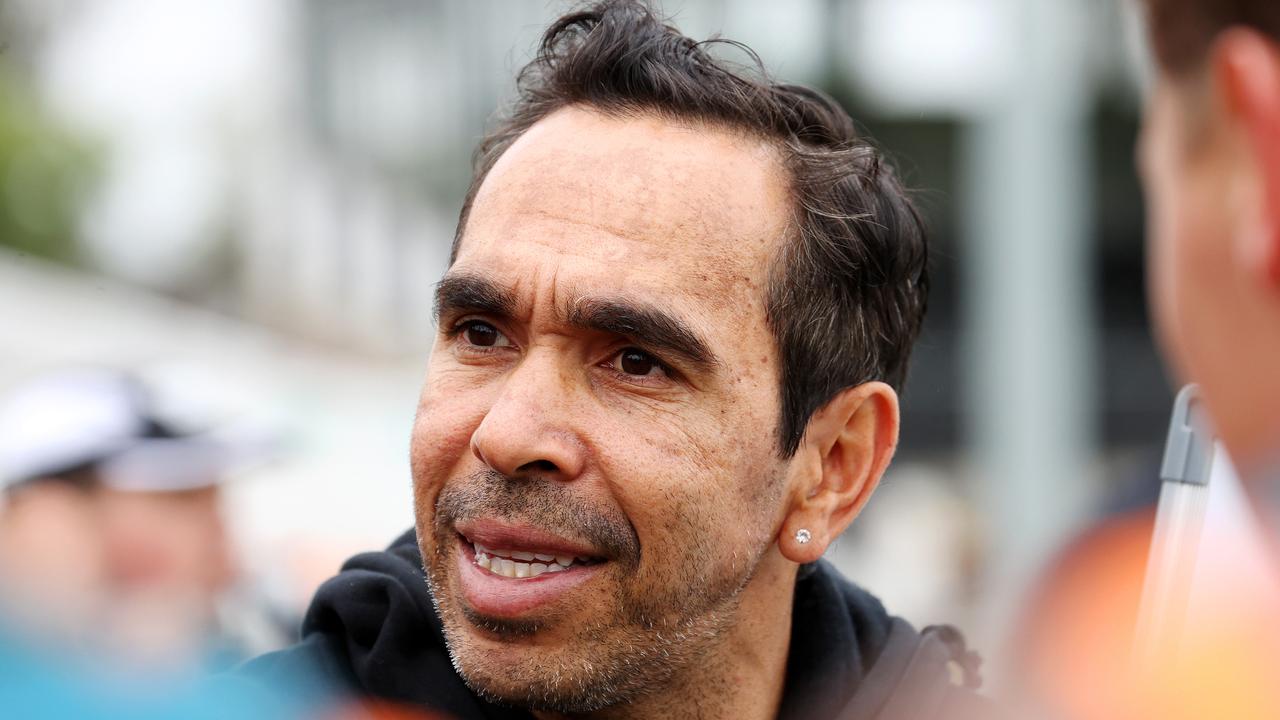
pixel 803 536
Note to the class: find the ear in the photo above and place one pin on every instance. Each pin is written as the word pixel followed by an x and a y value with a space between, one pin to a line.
pixel 1246 67
pixel 847 446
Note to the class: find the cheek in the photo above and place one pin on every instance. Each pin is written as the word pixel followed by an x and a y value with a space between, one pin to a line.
pixel 449 411
pixel 1160 165
pixel 694 482
pixel 1187 252
pixel 1162 229
pixel 1172 216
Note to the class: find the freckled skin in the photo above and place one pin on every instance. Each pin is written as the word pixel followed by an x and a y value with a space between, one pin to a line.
pixel 684 218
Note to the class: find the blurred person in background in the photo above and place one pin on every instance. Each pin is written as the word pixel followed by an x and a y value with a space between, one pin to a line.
pixel 679 302
pixel 112 542
pixel 1210 161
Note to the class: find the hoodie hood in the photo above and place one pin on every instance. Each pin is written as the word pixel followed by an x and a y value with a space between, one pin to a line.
pixel 372 632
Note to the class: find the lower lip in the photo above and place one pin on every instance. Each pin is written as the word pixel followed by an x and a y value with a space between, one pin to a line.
pixel 508 598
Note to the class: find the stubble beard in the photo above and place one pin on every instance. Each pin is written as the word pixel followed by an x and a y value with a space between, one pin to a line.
pixel 664 623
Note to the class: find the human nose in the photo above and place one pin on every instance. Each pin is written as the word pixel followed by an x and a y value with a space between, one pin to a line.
pixel 529 429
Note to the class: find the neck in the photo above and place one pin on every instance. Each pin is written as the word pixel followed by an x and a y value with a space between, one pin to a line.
pixel 741 677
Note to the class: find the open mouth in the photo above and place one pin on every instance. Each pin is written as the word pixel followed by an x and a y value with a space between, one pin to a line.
pixel 520 563
pixel 507 571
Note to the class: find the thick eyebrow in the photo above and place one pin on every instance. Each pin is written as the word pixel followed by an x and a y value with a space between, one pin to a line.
pixel 655 329
pixel 651 327
pixel 469 293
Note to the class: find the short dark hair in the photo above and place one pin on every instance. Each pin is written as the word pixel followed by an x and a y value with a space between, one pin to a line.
pixel 847 296
pixel 1183 31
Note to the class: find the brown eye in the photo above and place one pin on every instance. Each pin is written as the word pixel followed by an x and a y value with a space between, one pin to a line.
pixel 482 334
pixel 637 362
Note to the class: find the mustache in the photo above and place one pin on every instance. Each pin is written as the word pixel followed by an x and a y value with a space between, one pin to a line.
pixel 540 502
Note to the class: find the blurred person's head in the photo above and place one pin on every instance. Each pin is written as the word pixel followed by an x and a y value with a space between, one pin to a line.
pixel 1211 162
pixel 111 511
pixel 681 300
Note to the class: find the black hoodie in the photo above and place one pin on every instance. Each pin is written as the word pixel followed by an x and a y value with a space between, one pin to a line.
pixel 371 632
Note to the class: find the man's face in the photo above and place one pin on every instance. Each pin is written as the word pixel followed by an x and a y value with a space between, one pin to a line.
pixel 601 408
pixel 1207 228
pixel 1189 224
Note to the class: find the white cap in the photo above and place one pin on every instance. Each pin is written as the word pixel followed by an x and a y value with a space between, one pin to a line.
pixel 107 419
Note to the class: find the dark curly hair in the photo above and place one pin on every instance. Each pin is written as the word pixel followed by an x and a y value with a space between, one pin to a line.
pixel 847 295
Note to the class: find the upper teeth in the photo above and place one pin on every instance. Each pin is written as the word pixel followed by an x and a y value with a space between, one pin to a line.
pixel 508 563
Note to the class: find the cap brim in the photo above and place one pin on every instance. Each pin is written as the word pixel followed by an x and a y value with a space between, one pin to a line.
pixel 185 463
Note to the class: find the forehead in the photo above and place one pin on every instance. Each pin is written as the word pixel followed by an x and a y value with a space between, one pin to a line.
pixel 641 204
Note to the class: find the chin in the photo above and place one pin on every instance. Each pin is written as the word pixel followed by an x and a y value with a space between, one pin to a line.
pixel 538 677
pixel 578 663
pixel 536 661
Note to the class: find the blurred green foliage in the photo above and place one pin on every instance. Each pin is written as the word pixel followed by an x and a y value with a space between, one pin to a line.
pixel 46 171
